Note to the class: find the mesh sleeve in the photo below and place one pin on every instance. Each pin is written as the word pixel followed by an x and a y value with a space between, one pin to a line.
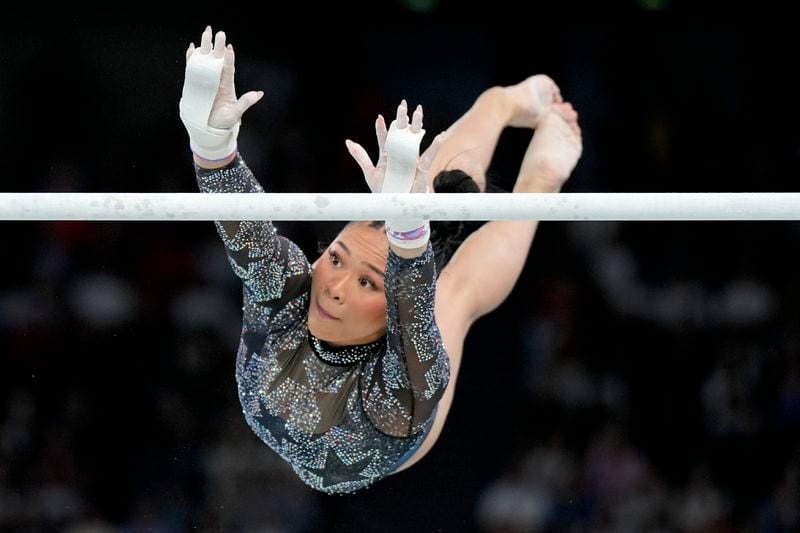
pixel 274 271
pixel 401 387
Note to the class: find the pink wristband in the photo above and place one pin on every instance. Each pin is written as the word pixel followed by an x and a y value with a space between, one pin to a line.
pixel 414 238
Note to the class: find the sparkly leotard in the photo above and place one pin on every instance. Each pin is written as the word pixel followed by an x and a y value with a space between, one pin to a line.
pixel 344 417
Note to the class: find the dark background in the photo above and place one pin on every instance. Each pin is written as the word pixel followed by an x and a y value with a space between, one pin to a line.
pixel 642 376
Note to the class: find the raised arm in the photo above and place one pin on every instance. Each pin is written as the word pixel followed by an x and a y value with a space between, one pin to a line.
pixel 487 265
pixel 402 387
pixel 272 269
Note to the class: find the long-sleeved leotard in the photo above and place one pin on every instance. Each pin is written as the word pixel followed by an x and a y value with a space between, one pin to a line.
pixel 341 417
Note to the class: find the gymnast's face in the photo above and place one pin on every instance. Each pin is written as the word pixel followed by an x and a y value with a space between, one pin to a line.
pixel 348 305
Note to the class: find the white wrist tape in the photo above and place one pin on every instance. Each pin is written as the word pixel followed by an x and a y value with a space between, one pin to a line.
pixel 402 154
pixel 200 86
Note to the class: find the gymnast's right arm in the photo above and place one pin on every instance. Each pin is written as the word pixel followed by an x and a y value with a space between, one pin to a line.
pixel 273 270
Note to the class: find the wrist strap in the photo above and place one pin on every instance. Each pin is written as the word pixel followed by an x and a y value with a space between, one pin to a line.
pixel 212 144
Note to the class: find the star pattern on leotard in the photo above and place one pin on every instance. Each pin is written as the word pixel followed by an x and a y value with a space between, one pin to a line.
pixel 277 427
pixel 254 340
pixel 334 466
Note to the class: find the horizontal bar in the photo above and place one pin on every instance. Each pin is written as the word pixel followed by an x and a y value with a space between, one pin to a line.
pixel 365 206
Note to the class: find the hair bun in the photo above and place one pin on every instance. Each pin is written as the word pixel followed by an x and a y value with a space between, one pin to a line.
pixel 455 181
pixel 446 235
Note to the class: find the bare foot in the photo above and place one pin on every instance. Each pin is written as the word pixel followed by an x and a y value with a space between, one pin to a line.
pixel 554 150
pixel 532 99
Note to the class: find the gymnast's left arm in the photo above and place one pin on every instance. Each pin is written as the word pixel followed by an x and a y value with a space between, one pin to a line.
pixel 401 388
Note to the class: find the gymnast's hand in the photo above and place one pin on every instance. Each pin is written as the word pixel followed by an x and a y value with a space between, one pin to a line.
pixel 209 107
pixel 227 110
pixel 398 150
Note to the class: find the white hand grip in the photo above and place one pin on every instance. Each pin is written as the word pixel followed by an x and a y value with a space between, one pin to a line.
pixel 200 86
pixel 402 153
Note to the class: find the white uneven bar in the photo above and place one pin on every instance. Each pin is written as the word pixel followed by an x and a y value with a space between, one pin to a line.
pixel 365 206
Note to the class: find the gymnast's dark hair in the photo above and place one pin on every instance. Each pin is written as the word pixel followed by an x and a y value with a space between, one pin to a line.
pixel 447 235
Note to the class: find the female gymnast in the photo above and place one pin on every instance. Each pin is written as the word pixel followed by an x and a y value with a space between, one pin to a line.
pixel 347 368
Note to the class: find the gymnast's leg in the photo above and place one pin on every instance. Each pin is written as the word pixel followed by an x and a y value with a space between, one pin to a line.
pixel 470 142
